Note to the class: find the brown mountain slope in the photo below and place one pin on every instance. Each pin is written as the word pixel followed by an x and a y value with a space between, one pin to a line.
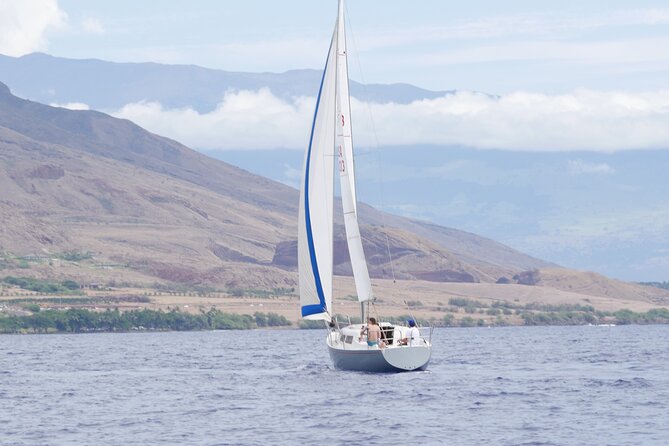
pixel 54 199
pixel 56 166
pixel 83 181
pixel 593 284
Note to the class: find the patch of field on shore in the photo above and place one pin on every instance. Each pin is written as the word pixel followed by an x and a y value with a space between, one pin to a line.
pixel 433 301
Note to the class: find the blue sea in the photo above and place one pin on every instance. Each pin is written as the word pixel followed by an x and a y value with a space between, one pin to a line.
pixel 500 386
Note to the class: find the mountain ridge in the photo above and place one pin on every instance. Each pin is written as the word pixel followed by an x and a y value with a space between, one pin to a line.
pixel 69 148
pixel 108 85
pixel 152 211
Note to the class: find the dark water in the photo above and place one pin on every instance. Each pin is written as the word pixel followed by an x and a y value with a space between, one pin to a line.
pixel 522 385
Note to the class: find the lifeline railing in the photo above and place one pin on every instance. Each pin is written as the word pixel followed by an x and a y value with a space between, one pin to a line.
pixel 425 332
pixel 430 330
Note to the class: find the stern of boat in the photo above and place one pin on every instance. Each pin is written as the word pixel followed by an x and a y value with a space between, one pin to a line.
pixel 349 351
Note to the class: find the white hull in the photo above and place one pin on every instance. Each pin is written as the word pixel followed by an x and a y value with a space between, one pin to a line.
pixel 348 352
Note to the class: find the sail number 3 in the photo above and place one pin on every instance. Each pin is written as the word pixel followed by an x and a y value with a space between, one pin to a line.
pixel 342 163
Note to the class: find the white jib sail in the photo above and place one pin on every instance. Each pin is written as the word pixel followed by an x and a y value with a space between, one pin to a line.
pixel 315 224
pixel 363 284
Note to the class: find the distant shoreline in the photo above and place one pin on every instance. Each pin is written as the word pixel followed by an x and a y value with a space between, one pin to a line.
pixel 34 305
pixel 110 321
pixel 81 321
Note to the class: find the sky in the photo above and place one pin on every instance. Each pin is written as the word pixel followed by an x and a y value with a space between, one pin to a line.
pixel 530 75
pixel 579 85
pixel 494 47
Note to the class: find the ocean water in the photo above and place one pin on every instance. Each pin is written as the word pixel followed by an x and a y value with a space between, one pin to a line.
pixel 501 386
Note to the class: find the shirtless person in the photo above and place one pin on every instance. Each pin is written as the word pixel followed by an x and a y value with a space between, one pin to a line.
pixel 373 333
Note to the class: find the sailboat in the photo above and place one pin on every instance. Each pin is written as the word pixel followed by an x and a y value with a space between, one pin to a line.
pixel 330 139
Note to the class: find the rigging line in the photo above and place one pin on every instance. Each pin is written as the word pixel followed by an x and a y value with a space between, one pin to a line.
pixel 377 145
pixel 410 312
pixel 377 313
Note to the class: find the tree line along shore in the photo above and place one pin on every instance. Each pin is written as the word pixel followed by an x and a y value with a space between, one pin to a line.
pixel 65 307
pixel 78 320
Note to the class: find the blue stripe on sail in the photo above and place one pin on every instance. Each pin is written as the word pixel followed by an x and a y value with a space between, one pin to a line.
pixel 308 310
pixel 318 308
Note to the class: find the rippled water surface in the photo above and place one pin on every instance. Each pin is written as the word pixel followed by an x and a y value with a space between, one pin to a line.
pixel 517 385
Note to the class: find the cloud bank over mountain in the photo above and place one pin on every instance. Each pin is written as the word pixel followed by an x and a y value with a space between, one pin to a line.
pixel 242 120
pixel 24 25
pixel 583 120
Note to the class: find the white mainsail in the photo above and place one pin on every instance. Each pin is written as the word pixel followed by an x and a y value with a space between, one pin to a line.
pixel 346 166
pixel 315 224
pixel 331 128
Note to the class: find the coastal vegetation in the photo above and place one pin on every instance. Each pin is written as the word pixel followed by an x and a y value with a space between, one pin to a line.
pixel 535 313
pixel 662 285
pixel 43 286
pixel 41 305
pixel 547 315
pixel 77 320
pixel 83 320
pixel 266 294
pixel 10 261
pixel 75 256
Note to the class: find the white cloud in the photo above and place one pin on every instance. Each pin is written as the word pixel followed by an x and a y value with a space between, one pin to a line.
pixel 579 167
pixel 582 120
pixel 92 25
pixel 72 105
pixel 25 24
pixel 242 120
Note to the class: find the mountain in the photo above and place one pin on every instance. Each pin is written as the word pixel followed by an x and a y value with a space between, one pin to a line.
pixel 84 181
pixel 150 210
pixel 109 86
pixel 589 210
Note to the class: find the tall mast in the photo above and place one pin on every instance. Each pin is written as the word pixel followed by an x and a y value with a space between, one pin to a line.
pixel 344 124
